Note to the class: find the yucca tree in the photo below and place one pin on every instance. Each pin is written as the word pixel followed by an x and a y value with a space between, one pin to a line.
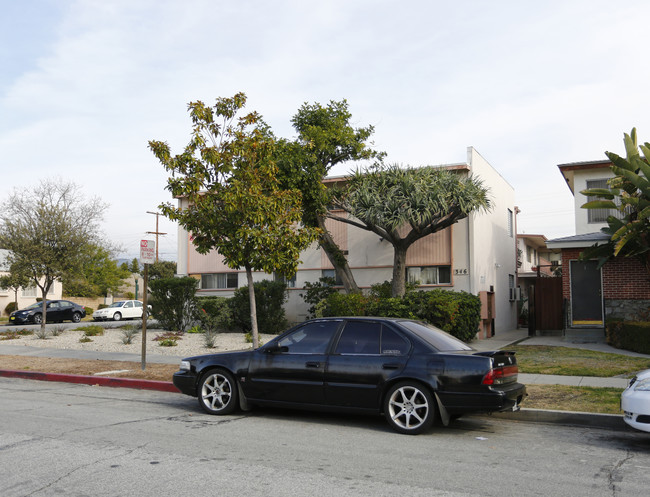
pixel 403 204
pixel 628 193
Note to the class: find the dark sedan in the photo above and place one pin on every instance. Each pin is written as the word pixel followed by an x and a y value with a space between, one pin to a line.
pixel 57 311
pixel 411 372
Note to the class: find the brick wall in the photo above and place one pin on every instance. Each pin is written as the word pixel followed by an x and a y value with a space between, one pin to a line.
pixel 623 278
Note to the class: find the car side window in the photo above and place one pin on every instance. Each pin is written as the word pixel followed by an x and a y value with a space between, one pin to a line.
pixel 392 343
pixel 65 304
pixel 53 305
pixel 138 303
pixel 313 338
pixel 129 304
pixel 359 337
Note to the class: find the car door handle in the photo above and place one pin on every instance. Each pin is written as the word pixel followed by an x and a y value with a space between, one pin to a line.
pixel 391 365
pixel 312 364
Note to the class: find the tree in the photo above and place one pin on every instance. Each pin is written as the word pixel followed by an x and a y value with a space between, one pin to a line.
pixel 325 138
pixel 629 194
pixel 234 201
pixel 99 275
pixel 402 205
pixel 161 269
pixel 47 231
pixel 17 278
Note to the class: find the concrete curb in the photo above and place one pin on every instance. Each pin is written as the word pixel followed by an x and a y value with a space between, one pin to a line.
pixel 569 418
pixel 103 381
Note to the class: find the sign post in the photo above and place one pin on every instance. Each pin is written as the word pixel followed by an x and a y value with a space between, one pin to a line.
pixel 147 256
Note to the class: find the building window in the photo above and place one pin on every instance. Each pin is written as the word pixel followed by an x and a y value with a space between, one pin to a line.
pixel 601 215
pixel 290 282
pixel 29 291
pixel 218 281
pixel 510 224
pixel 429 275
pixel 331 273
pixel 529 253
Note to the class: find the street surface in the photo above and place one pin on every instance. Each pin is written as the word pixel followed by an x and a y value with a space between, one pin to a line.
pixel 74 440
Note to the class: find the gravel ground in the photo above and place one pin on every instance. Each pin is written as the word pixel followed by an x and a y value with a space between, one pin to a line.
pixel 189 344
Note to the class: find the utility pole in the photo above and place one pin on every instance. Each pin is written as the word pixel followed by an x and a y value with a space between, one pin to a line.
pixel 155 232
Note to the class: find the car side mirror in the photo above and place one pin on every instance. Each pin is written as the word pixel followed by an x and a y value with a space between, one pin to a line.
pixel 276 349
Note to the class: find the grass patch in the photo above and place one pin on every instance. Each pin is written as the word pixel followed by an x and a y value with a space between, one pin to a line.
pixel 577 399
pixel 568 361
pixel 92 330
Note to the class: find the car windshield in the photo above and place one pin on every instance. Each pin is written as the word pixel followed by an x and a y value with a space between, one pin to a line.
pixel 35 305
pixel 442 341
pixel 117 304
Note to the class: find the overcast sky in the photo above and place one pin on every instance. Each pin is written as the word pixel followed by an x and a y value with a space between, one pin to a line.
pixel 85 84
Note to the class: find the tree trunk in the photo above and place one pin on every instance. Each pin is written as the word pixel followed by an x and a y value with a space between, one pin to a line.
pixel 251 299
pixel 337 258
pixel 44 309
pixel 398 285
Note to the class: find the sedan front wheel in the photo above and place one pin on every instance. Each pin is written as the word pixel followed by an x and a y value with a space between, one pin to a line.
pixel 218 392
pixel 409 408
pixel 117 316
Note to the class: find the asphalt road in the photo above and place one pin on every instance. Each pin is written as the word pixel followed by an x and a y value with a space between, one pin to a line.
pixel 74 440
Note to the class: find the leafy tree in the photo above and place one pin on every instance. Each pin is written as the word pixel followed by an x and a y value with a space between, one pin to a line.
pixel 99 276
pixel 47 231
pixel 161 269
pixel 234 201
pixel 402 205
pixel 17 278
pixel 629 194
pixel 325 138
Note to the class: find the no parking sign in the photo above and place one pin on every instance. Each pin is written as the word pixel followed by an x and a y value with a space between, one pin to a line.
pixel 147 251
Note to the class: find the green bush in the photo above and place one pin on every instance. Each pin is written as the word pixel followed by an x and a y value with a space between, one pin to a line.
pixel 101 306
pixel 317 293
pixel 173 302
pixel 89 310
pixel 457 313
pixel 214 313
pixel 628 335
pixel 11 307
pixel 269 299
pixel 346 304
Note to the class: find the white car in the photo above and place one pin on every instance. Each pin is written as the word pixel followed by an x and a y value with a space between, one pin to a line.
pixel 635 402
pixel 124 309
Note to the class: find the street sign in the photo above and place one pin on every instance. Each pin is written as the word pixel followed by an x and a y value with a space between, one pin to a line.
pixel 147 251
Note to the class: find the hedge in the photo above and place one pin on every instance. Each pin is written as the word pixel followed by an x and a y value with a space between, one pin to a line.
pixel 457 313
pixel 628 335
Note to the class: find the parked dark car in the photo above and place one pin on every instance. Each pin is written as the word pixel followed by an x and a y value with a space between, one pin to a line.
pixel 411 372
pixel 57 311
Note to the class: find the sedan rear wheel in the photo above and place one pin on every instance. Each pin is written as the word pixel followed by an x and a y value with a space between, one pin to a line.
pixel 76 317
pixel 117 316
pixel 218 392
pixel 409 408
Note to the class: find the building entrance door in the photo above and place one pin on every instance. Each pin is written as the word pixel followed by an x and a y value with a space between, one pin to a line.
pixel 586 294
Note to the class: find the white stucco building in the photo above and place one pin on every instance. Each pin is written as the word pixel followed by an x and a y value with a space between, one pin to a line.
pixel 476 255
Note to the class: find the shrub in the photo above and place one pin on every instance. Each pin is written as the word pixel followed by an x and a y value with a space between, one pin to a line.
pixel 457 313
pixel 628 335
pixel 317 293
pixel 11 307
pixel 173 302
pixel 269 298
pixel 128 334
pixel 214 313
pixel 102 306
pixel 346 304
pixel 169 339
pixel 89 310
pixel 91 330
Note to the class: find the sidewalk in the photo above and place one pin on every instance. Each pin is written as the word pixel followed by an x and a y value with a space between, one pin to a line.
pixel 520 337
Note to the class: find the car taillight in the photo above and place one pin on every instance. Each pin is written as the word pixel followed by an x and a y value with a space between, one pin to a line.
pixel 498 376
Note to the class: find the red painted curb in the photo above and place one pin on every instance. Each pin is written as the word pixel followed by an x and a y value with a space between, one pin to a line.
pixel 102 381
